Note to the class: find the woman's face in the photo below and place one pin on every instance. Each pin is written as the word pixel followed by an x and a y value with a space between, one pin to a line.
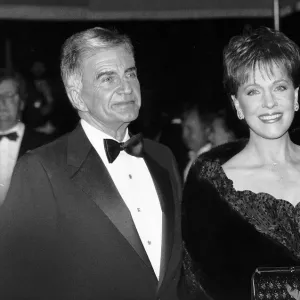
pixel 267 100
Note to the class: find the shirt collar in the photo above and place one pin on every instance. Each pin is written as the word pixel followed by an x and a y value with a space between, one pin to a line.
pixel 100 134
pixel 205 148
pixel 96 138
pixel 18 128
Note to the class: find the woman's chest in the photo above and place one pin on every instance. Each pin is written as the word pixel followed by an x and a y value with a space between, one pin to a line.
pixel 283 185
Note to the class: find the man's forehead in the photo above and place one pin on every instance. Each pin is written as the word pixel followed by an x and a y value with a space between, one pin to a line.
pixel 192 116
pixel 116 54
pixel 8 84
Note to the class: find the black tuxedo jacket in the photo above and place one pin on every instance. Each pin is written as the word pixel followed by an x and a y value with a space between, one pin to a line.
pixel 67 234
pixel 31 140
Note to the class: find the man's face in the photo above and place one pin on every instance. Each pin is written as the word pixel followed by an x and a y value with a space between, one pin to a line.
pixel 110 88
pixel 219 134
pixel 193 132
pixel 9 104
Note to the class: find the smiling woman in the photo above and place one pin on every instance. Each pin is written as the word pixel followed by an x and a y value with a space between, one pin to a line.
pixel 240 201
pixel 267 97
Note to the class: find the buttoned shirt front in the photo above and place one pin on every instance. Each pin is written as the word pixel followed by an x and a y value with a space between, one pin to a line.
pixel 9 151
pixel 134 182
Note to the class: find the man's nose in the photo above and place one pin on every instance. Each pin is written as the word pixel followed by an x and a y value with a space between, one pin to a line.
pixel 2 103
pixel 125 87
pixel 269 100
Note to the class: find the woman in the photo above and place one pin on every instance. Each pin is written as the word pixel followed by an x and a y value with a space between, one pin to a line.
pixel 240 200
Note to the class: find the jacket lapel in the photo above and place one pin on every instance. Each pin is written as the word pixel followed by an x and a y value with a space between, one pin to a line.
pixel 23 145
pixel 164 190
pixel 90 174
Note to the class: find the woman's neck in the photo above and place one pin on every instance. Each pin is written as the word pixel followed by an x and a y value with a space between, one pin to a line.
pixel 263 151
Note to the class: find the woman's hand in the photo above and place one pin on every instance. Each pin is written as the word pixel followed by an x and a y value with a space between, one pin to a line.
pixel 293 292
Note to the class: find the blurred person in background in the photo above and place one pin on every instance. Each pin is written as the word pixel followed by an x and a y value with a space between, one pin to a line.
pixel 41 102
pixel 196 124
pixel 171 136
pixel 15 137
pixel 221 131
pixel 48 108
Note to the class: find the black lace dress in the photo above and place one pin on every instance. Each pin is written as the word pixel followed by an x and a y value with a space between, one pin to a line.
pixel 228 233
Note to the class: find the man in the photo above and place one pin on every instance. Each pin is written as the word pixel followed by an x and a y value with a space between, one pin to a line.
pixel 15 137
pixel 195 132
pixel 84 219
pixel 221 130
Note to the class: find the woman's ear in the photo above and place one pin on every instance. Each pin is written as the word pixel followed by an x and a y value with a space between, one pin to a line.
pixel 235 102
pixel 239 111
pixel 296 94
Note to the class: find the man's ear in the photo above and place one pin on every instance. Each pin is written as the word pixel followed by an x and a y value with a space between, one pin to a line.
pixel 20 108
pixel 22 105
pixel 74 94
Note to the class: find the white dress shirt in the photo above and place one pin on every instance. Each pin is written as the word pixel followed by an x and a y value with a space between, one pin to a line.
pixel 9 151
pixel 134 182
pixel 193 156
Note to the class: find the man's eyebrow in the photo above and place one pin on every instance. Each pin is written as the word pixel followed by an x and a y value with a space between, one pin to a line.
pixel 132 69
pixel 104 73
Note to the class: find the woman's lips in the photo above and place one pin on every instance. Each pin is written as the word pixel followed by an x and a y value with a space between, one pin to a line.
pixel 270 118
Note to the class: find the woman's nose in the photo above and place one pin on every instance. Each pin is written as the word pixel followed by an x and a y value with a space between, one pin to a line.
pixel 269 100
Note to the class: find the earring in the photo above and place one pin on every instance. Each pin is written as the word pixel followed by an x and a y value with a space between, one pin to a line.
pixel 240 114
pixel 296 106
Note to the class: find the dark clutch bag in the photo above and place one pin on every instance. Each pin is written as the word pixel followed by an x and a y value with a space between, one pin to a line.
pixel 270 283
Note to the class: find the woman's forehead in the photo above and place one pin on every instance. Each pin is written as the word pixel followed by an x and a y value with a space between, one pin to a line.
pixel 264 71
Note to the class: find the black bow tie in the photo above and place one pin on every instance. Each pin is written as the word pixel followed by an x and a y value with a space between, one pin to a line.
pixel 13 136
pixel 134 146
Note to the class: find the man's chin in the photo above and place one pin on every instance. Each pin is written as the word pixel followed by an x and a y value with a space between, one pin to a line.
pixel 129 115
pixel 130 118
pixel 4 118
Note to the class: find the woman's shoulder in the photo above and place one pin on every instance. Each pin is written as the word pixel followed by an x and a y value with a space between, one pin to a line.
pixel 209 164
pixel 224 152
pixel 235 163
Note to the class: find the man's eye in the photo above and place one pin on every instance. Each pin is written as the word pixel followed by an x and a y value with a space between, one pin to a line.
pixel 132 75
pixel 107 79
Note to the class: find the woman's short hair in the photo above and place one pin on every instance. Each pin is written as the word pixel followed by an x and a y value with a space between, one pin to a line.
pixel 84 43
pixel 261 48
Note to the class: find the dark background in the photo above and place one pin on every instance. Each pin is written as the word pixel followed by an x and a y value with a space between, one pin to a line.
pixel 178 61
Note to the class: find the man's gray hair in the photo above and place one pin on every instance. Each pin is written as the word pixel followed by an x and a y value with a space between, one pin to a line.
pixel 82 44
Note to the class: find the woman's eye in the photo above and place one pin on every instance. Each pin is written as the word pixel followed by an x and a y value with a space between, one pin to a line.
pixel 281 88
pixel 252 92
